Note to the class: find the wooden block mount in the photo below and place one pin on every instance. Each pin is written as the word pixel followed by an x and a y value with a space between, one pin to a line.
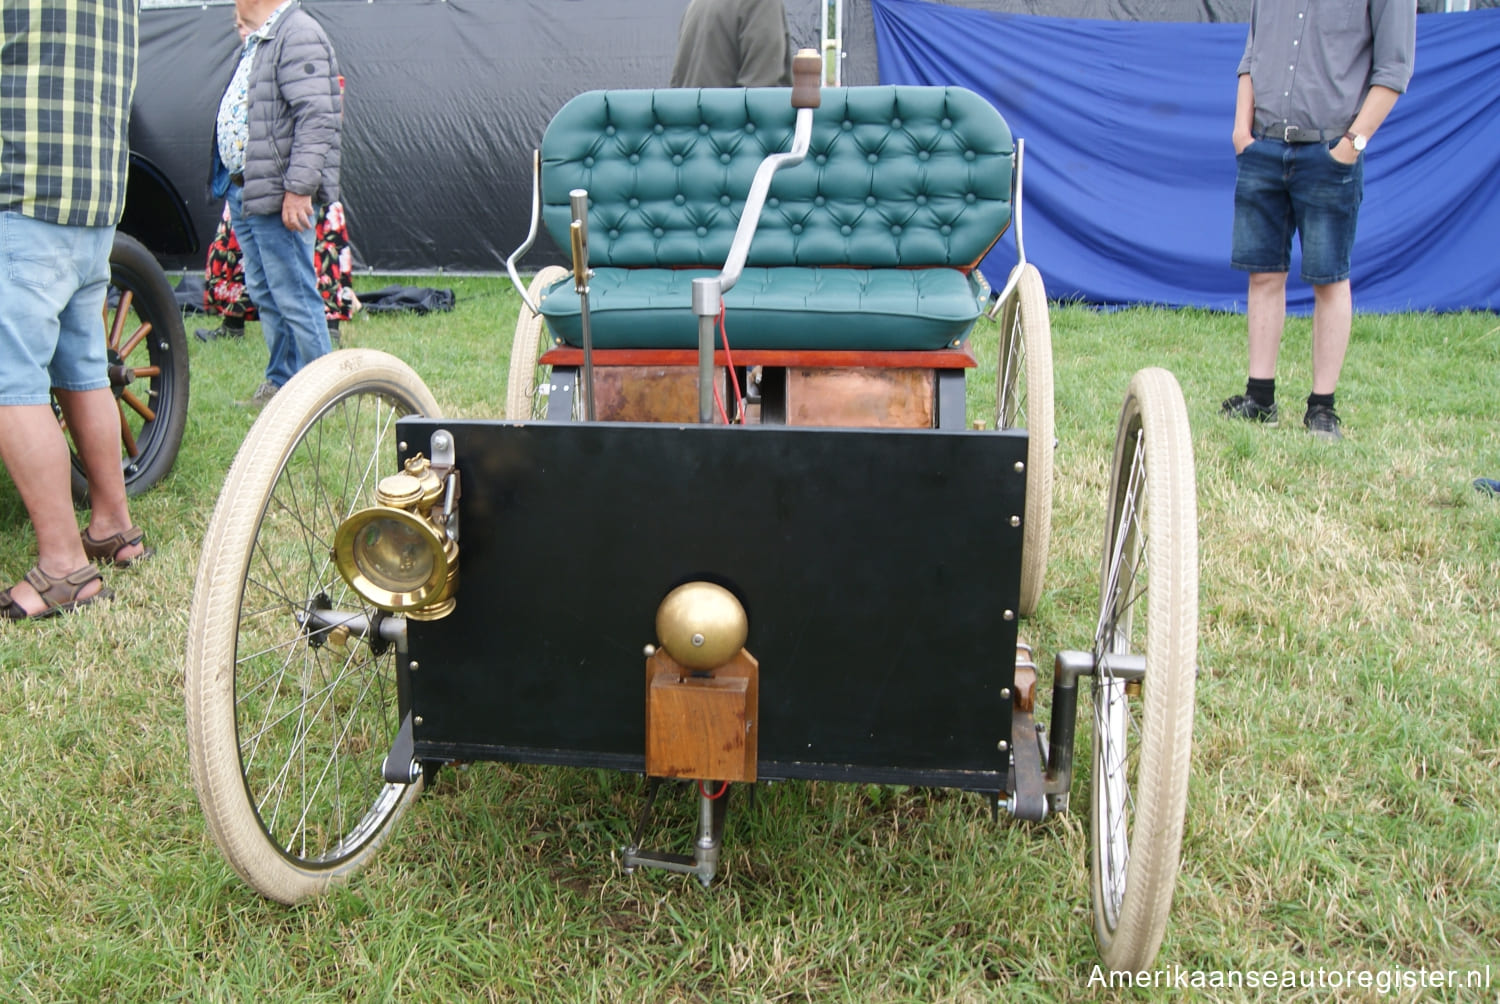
pixel 702 726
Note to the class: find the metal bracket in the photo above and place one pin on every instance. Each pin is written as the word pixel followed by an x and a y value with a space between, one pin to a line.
pixel 1067 668
pixel 442 448
pixel 400 765
pixel 1030 799
pixel 560 391
pixel 444 465
pixel 949 393
pixel 704 862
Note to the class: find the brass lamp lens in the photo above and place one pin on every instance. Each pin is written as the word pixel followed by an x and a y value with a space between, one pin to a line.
pixel 394 555
pixel 395 559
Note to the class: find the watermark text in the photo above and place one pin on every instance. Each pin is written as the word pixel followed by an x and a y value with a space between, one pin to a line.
pixel 1391 980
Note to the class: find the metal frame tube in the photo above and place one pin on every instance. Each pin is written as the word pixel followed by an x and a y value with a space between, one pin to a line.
pixel 536 215
pixel 389 629
pixel 1014 279
pixel 832 43
pixel 1066 669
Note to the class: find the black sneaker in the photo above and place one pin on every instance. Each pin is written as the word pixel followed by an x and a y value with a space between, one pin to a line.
pixel 1322 421
pixel 261 397
pixel 1250 410
pixel 222 331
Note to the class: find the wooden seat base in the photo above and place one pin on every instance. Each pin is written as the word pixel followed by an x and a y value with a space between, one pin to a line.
pixel 893 390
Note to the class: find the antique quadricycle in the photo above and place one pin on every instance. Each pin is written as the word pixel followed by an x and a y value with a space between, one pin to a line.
pixel 734 528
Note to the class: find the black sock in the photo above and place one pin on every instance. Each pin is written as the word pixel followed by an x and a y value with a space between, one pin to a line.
pixel 1326 400
pixel 1262 392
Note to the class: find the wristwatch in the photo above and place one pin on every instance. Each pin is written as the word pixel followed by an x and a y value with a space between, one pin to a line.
pixel 1359 141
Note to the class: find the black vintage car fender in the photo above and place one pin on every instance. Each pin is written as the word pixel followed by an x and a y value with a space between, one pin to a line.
pixel 155 214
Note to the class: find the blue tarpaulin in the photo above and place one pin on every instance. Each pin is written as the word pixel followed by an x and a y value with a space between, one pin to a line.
pixel 1129 170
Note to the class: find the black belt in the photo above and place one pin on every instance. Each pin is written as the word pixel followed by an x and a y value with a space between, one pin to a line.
pixel 238 180
pixel 1296 134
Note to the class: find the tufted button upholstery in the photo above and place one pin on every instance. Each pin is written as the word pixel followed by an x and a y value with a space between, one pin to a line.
pixel 898 181
pixel 776 308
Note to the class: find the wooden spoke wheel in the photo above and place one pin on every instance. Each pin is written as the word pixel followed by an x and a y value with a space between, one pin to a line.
pixel 148 369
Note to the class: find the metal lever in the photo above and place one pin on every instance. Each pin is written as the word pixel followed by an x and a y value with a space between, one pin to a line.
pixel 704 861
pixel 578 231
pixel 708 294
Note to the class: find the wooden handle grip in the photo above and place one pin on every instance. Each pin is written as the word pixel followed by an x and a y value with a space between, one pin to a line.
pixel 807 79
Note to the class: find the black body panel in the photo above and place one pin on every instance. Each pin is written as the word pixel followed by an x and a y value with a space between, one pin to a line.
pixel 875 567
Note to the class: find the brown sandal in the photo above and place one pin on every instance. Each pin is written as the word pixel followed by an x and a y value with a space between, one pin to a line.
pixel 108 549
pixel 60 595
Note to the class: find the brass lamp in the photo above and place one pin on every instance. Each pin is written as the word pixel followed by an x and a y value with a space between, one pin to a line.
pixel 397 554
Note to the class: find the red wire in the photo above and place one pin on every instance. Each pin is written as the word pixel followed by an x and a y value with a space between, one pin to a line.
pixel 739 399
pixel 720 402
pixel 723 787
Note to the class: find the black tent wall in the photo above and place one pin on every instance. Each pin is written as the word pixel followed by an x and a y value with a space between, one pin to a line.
pixel 445 102
pixel 446 99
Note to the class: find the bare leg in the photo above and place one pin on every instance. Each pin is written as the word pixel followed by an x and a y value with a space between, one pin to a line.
pixel 1333 315
pixel 94 418
pixel 36 455
pixel 1265 316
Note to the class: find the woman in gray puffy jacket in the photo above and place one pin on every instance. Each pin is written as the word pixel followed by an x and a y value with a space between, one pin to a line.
pixel 276 159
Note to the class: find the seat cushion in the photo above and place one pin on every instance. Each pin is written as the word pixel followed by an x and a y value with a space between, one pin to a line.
pixel 843 309
pixel 895 176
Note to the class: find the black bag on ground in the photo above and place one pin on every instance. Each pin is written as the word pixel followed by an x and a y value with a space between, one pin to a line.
pixel 417 299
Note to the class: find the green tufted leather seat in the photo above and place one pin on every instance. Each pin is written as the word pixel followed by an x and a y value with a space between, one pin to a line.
pixel 870 243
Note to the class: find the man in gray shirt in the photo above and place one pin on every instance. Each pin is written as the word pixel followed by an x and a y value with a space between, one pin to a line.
pixel 733 43
pixel 1316 81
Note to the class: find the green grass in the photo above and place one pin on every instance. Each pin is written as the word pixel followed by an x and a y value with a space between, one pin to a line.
pixel 1344 811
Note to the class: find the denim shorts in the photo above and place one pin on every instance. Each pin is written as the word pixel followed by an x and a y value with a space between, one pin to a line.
pixel 53 281
pixel 1285 187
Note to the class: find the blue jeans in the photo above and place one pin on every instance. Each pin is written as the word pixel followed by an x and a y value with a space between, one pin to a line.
pixel 1281 188
pixel 53 280
pixel 281 282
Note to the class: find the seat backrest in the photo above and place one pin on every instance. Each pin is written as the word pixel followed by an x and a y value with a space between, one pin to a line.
pixel 895 176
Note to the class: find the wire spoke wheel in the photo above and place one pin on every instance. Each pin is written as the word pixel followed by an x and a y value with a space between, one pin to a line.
pixel 288 727
pixel 1143 717
pixel 1024 401
pixel 528 385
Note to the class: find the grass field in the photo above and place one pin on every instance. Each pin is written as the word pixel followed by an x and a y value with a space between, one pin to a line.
pixel 1344 811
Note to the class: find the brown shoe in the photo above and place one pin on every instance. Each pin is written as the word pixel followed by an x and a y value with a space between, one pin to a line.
pixel 60 595
pixel 108 550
